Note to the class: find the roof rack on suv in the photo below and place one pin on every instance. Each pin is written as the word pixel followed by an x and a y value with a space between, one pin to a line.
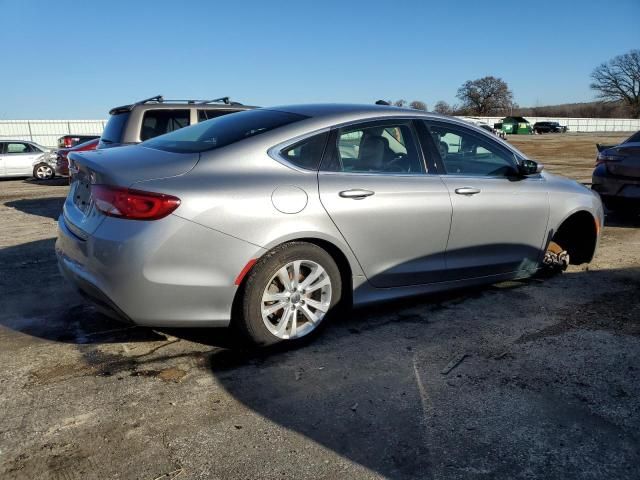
pixel 161 99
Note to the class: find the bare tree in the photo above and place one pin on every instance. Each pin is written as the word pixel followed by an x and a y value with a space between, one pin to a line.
pixel 485 96
pixel 400 103
pixel 418 105
pixel 443 108
pixel 619 80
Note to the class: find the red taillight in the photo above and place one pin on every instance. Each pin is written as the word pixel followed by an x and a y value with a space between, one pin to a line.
pixel 132 204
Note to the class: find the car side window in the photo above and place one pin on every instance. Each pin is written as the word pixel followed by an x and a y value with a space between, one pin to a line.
pixel 465 152
pixel 159 122
pixel 17 148
pixel 204 114
pixel 306 154
pixel 376 148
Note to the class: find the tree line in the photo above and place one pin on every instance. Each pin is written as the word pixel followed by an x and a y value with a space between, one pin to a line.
pixel 616 83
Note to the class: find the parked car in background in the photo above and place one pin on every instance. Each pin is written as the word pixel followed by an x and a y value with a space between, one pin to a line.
pixel 616 176
pixel 69 141
pixel 22 158
pixel 146 119
pixel 272 218
pixel 485 126
pixel 549 127
pixel 62 162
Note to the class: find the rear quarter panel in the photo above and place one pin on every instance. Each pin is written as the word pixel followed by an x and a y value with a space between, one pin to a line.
pixel 243 192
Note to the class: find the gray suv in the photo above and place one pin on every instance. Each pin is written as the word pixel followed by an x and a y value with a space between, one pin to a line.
pixel 140 121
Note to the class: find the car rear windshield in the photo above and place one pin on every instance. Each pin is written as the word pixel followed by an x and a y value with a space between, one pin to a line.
pixel 222 131
pixel 633 138
pixel 114 128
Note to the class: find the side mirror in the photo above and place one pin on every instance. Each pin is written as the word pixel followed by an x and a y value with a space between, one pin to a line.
pixel 529 167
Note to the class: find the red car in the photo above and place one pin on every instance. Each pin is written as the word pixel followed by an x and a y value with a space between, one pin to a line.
pixel 70 141
pixel 62 162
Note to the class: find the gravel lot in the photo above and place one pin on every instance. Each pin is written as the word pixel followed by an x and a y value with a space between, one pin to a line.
pixel 529 379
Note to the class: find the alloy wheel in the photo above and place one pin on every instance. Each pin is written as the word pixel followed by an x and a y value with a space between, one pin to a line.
pixel 44 172
pixel 296 299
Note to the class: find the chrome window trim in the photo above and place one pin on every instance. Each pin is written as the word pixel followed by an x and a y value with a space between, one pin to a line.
pixel 274 151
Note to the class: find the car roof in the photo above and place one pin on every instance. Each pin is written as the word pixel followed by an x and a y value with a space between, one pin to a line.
pixel 180 105
pixel 344 112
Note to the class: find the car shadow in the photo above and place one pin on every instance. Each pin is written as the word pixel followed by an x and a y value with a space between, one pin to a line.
pixel 370 387
pixel 37 301
pixel 49 207
pixel 56 181
pixel 376 388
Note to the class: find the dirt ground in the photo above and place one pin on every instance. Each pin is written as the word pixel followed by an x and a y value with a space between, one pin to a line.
pixel 528 379
pixel 571 155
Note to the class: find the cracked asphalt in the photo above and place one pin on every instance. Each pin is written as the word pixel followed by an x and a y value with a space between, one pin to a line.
pixel 527 379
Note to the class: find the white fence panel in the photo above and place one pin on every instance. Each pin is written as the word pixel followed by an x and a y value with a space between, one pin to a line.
pixel 47 132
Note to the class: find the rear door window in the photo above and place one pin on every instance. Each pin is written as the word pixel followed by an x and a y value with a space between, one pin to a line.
pixel 159 122
pixel 376 148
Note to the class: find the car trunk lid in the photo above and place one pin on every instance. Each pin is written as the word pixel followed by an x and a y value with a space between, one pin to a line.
pixel 122 167
pixel 624 160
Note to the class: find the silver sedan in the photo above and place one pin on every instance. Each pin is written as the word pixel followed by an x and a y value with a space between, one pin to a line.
pixel 271 219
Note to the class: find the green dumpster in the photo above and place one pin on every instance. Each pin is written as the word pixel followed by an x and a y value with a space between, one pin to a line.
pixel 516 125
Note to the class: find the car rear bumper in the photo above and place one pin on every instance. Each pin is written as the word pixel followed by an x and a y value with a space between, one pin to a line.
pixel 165 273
pixel 609 186
pixel 62 169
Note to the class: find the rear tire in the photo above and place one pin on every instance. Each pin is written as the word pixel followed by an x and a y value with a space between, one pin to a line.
pixel 43 171
pixel 289 294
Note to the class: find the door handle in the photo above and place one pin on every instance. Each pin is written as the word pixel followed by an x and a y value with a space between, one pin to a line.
pixel 356 193
pixel 467 191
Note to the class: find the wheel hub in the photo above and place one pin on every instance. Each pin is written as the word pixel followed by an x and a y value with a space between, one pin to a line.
pixel 296 299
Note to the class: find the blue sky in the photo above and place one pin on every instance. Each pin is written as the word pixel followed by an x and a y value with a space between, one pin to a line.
pixel 77 59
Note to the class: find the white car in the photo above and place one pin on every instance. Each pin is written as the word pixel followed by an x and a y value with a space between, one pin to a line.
pixel 22 158
pixel 484 126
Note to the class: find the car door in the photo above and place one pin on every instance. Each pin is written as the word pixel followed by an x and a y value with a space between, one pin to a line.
pixel 499 217
pixel 394 216
pixel 2 167
pixel 19 158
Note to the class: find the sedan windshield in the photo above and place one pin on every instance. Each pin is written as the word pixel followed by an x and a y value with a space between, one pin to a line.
pixel 222 131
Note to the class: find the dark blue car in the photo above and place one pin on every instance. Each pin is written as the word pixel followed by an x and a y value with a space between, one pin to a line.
pixel 617 175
